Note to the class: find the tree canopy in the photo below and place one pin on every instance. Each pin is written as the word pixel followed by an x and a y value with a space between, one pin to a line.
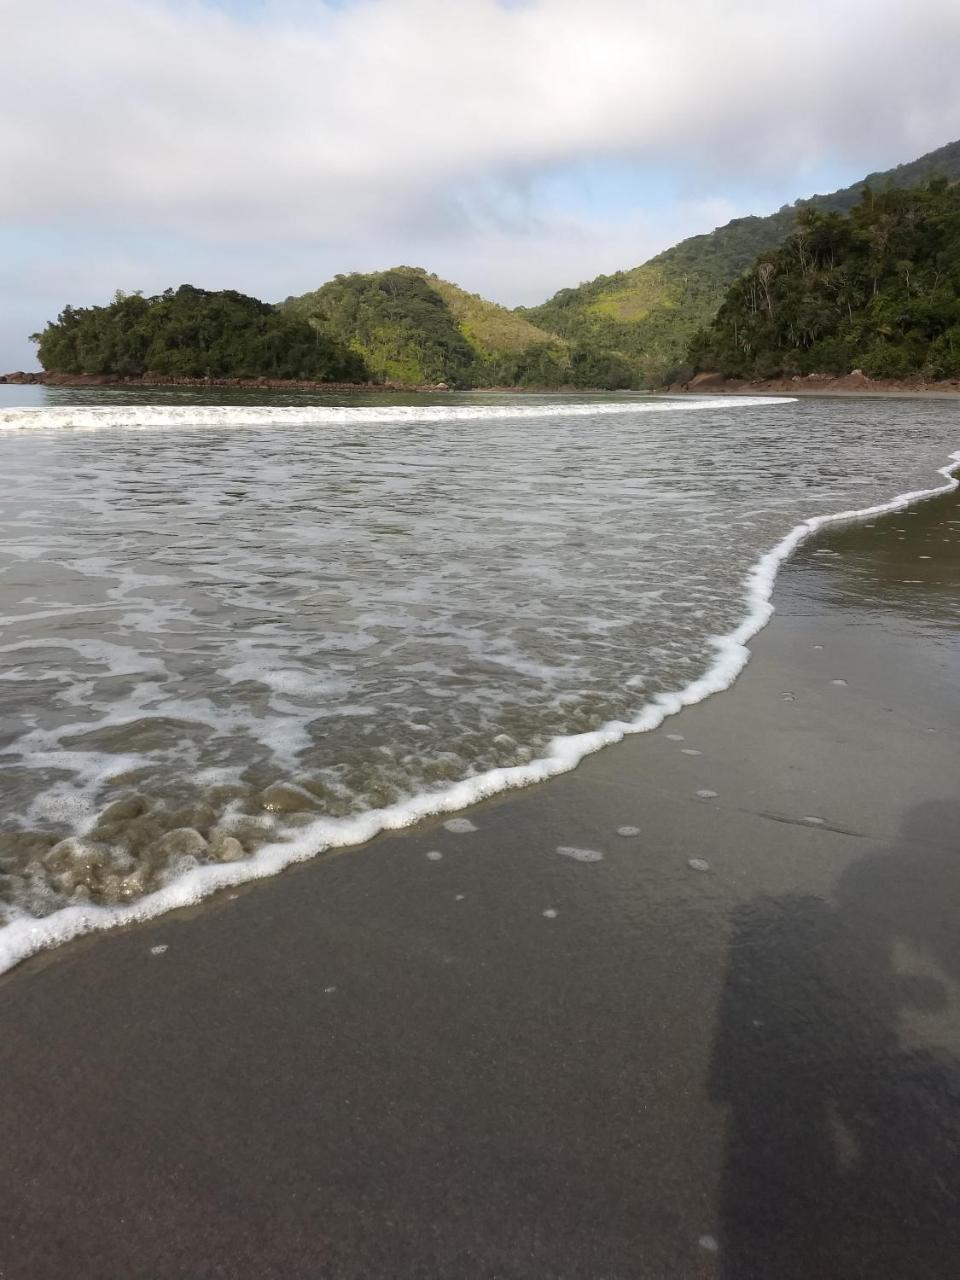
pixel 192 333
pixel 876 289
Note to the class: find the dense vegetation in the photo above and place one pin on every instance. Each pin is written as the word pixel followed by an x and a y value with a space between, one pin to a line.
pixel 876 289
pixel 401 326
pixel 651 313
pixel 415 328
pixel 192 333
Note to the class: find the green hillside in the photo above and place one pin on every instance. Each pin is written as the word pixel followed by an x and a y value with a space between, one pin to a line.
pixel 877 288
pixel 414 328
pixel 650 313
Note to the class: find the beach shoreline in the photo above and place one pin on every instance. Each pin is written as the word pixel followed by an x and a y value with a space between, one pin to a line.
pixel 850 385
pixel 855 384
pixel 512 1060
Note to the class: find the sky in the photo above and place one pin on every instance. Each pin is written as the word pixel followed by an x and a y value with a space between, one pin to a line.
pixel 514 146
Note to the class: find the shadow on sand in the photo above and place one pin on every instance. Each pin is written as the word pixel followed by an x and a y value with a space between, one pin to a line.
pixel 843 1144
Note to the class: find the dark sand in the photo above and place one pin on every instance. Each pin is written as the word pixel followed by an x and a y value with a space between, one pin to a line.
pixel 750 1071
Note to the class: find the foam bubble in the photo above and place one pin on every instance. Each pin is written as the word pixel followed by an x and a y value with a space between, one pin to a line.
pixel 460 826
pixel 580 855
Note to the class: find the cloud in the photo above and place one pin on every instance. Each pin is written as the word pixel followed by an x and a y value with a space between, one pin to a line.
pixel 369 130
pixel 310 120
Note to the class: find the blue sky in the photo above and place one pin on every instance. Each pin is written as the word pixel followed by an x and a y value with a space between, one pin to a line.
pixel 513 147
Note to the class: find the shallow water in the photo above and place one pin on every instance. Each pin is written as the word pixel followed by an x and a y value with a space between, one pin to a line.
pixel 260 622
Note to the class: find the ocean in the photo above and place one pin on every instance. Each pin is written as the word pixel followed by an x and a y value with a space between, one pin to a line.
pixel 236 631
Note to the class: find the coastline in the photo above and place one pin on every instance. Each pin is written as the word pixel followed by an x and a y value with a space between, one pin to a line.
pixel 382 1064
pixel 706 383
pixel 43 379
pixel 817 384
pixel 149 381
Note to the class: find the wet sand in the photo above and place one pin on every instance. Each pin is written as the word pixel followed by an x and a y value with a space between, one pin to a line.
pixel 508 1062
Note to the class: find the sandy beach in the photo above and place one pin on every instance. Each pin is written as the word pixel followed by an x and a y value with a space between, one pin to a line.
pixel 729 1047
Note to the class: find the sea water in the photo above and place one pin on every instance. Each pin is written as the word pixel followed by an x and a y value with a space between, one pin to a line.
pixel 236 631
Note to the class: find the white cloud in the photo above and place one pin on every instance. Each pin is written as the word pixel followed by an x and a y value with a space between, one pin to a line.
pixel 139 112
pixel 380 129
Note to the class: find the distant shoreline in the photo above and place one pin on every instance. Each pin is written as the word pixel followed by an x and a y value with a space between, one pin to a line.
pixel 708 383
pixel 43 379
pixel 146 381
pixel 816 384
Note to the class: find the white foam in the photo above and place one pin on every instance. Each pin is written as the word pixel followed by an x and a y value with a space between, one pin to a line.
pixel 460 826
pixel 161 417
pixel 580 855
pixel 26 935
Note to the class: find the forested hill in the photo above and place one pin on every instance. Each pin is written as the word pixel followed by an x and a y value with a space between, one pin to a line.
pixel 877 289
pixel 412 327
pixel 399 326
pixel 192 333
pixel 650 313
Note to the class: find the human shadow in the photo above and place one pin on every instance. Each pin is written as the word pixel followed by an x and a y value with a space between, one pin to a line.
pixel 842 1156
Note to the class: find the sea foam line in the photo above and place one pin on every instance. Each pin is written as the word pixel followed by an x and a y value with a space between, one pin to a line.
pixel 25 936
pixel 99 417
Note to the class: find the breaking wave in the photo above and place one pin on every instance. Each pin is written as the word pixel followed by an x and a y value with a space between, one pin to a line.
pixel 100 418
